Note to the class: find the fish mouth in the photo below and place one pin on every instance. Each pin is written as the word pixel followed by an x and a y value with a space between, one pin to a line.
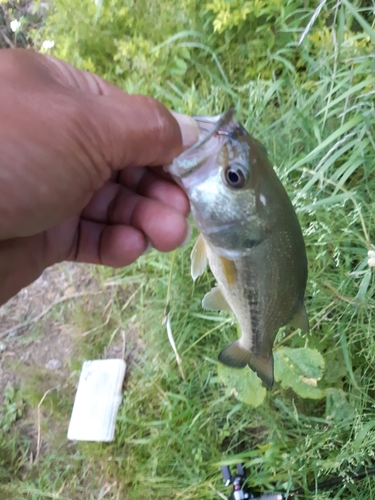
pixel 189 161
pixel 223 124
pixel 208 124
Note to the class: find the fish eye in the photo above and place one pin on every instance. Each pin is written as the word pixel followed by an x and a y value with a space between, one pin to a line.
pixel 235 176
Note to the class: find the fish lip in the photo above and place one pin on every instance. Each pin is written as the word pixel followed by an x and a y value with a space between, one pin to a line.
pixel 223 124
pixel 219 122
pixel 211 120
pixel 206 124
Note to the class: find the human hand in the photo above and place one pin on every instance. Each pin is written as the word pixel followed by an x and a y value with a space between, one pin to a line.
pixel 74 182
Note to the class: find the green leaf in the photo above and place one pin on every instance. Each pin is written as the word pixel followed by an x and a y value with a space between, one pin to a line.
pixel 338 408
pixel 98 10
pixel 336 368
pixel 179 66
pixel 330 200
pixel 333 137
pixel 244 384
pixel 362 433
pixel 366 27
pixel 363 287
pixel 300 369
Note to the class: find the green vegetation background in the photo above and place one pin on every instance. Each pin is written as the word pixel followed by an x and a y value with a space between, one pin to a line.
pixel 302 76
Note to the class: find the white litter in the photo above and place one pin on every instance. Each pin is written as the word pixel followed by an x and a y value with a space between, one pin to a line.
pixel 97 401
pixel 371 258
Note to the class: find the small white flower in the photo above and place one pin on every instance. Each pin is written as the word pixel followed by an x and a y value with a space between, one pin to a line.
pixel 48 44
pixel 371 258
pixel 15 25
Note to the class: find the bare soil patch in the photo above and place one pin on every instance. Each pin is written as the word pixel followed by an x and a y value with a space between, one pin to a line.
pixel 32 335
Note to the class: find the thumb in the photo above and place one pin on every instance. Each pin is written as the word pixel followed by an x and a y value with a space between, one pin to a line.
pixel 136 130
pixel 131 129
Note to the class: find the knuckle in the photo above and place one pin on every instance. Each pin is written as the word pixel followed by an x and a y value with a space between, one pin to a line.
pixel 165 129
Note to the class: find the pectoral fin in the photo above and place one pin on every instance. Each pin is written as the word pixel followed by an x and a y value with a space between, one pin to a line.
pixel 229 270
pixel 237 356
pixel 198 258
pixel 214 300
pixel 300 319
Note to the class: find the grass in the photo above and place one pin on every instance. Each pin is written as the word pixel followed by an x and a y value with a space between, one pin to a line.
pixel 178 424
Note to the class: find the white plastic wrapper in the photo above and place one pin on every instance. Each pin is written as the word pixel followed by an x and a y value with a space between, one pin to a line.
pixel 97 400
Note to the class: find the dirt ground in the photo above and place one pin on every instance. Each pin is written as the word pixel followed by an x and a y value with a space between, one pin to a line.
pixel 31 335
pixel 39 331
pixel 41 335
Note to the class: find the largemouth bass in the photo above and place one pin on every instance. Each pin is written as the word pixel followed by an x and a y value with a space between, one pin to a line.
pixel 250 236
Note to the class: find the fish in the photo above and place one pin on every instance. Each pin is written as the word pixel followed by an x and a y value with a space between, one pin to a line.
pixel 250 237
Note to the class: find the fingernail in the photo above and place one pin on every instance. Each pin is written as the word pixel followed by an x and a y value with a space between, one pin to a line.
pixel 188 234
pixel 189 129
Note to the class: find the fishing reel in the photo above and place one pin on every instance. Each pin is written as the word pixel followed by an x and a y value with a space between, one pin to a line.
pixel 240 491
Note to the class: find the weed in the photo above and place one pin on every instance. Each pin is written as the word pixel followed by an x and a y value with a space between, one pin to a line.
pixel 302 82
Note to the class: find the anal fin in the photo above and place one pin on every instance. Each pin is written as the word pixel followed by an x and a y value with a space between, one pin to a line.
pixel 198 258
pixel 300 319
pixel 214 300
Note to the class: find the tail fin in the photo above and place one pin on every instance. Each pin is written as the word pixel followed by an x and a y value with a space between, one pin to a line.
pixel 236 356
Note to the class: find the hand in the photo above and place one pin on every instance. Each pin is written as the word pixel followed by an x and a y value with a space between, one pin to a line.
pixel 74 176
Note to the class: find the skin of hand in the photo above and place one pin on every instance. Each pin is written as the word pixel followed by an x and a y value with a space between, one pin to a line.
pixel 76 181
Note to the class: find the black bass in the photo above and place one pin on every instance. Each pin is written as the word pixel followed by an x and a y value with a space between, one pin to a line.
pixel 250 236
